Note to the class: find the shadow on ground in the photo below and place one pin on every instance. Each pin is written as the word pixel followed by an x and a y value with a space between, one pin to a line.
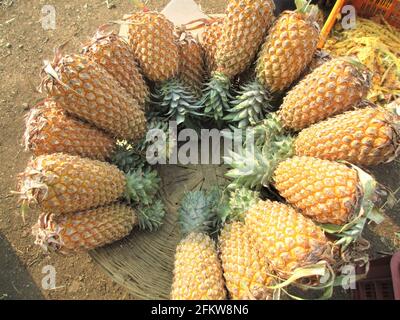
pixel 15 281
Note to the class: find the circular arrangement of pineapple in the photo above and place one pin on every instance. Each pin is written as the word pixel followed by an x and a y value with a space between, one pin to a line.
pixel 283 219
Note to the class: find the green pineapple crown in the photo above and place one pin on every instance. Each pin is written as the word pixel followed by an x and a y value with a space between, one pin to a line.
pixel 167 144
pixel 250 105
pixel 253 167
pixel 216 97
pixel 200 211
pixel 176 102
pixel 305 6
pixel 142 185
pixel 151 216
pixel 240 201
pixel 126 157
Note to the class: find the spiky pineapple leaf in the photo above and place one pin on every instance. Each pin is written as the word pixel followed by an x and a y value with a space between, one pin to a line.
pixel 127 158
pixel 240 201
pixel 216 97
pixel 175 101
pixel 251 168
pixel 201 211
pixel 158 133
pixel 142 185
pixel 151 216
pixel 250 105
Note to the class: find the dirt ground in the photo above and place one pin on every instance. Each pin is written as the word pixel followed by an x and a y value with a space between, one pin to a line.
pixel 23 46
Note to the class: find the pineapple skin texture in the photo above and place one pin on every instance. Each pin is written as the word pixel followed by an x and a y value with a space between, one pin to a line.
pixel 49 129
pixel 243 32
pixel 151 37
pixel 86 230
pixel 331 89
pixel 364 137
pixel 115 55
pixel 285 237
pixel 287 51
pixel 91 93
pixel 245 269
pixel 191 63
pixel 197 271
pixel 325 191
pixel 209 41
pixel 61 183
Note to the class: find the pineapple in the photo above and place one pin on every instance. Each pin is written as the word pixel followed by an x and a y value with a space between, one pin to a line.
pixel 285 55
pixel 287 239
pixel 115 55
pixel 85 89
pixel 191 62
pixel 163 59
pixel 151 37
pixel 365 137
pixel 242 33
pixel 209 40
pixel 326 191
pixel 197 269
pixel 246 270
pixel 330 89
pixel 288 49
pixel 49 129
pixel 61 183
pixel 87 230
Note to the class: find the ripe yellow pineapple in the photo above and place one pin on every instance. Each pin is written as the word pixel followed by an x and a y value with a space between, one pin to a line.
pixel 197 272
pixel 288 49
pixel 84 88
pixel 209 41
pixel 151 36
pixel 197 269
pixel 243 31
pixel 325 191
pixel 49 129
pixel 191 62
pixel 115 55
pixel 246 270
pixel 86 230
pixel 60 183
pixel 90 229
pixel 285 55
pixel 330 89
pixel 286 238
pixel 367 136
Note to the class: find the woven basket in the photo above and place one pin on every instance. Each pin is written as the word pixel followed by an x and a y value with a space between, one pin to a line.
pixel 143 262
